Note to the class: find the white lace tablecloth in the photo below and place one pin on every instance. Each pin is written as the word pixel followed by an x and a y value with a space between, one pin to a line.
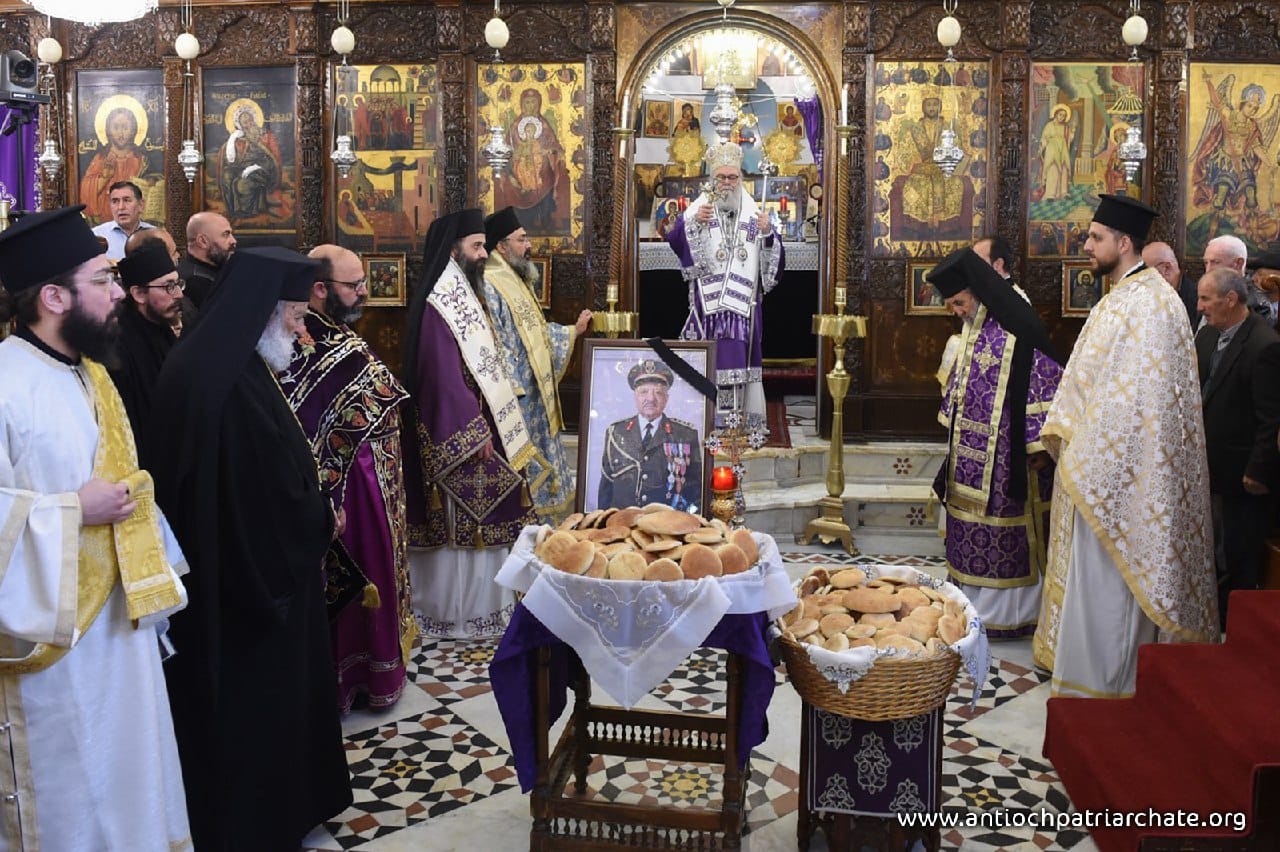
pixel 845 667
pixel 631 634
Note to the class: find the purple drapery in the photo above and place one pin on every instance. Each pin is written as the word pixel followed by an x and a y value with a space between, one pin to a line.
pixel 811 112
pixel 18 162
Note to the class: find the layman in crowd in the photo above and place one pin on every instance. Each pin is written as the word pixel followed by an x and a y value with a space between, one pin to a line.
pixel 210 242
pixel 536 355
pixel 255 704
pixel 125 198
pixel 998 479
pixel 998 254
pixel 1160 257
pixel 162 234
pixel 152 303
pixel 348 403
pixel 1130 549
pixel 1239 360
pixel 468 499
pixel 731 258
pixel 1227 251
pixel 88 566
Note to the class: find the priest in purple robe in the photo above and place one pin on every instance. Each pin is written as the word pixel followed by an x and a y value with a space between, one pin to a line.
pixel 465 456
pixel 997 482
pixel 348 403
pixel 731 257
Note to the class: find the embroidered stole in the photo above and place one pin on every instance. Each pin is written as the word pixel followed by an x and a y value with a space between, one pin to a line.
pixel 731 261
pixel 462 312
pixel 131 550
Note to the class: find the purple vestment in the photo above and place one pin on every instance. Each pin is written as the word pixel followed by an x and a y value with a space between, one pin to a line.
pixel 490 501
pixel 348 403
pixel 994 540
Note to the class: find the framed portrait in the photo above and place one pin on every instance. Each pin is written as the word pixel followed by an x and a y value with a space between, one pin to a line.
pixel 919 211
pixel 119 135
pixel 544 280
pixel 542 108
pixel 1081 112
pixel 385 276
pixel 657 119
pixel 923 299
pixel 626 387
pixel 1082 288
pixel 250 147
pixel 1232 108
pixel 391 195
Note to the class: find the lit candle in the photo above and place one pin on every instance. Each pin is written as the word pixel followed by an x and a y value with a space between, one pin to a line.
pixel 684 203
pixel 723 478
pixel 841 296
pixel 844 105
pixel 626 113
pixel 782 205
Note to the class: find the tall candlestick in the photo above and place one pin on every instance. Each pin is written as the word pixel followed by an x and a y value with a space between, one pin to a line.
pixel 626 113
pixel 844 105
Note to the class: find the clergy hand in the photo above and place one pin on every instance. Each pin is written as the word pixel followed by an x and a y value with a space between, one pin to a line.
pixel 704 214
pixel 584 322
pixel 762 220
pixel 1255 487
pixel 1038 461
pixel 486 452
pixel 339 522
pixel 103 502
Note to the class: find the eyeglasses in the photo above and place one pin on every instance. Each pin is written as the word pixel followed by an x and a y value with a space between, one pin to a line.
pixel 170 287
pixel 727 178
pixel 358 284
pixel 106 278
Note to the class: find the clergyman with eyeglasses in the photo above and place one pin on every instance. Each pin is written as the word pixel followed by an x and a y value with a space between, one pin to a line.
pixel 152 301
pixel 731 257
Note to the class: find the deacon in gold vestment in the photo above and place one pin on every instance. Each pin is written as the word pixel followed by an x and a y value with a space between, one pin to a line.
pixel 1130 548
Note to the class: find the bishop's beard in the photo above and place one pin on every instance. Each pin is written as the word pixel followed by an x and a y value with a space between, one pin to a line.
pixel 474 270
pixel 276 343
pixel 91 338
pixel 728 201
pixel 526 269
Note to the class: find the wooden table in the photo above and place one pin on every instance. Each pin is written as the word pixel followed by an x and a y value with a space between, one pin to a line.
pixel 565 820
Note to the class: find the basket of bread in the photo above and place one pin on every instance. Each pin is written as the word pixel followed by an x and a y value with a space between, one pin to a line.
pixel 651 543
pixel 876 647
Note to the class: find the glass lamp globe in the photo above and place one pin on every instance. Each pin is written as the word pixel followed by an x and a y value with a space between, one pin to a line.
pixel 49 51
pixel 187 46
pixel 343 41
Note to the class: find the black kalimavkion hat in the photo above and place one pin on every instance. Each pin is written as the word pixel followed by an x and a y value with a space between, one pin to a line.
pixel 43 245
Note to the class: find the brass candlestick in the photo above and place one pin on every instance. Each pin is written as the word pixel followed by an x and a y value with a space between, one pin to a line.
pixel 613 322
pixel 841 328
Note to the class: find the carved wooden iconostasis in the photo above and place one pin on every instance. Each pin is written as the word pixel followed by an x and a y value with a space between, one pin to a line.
pixel 1038 95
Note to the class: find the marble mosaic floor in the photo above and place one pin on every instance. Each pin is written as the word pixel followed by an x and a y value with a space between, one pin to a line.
pixel 434 773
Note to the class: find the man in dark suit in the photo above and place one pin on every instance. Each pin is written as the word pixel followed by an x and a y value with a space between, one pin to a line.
pixel 1239 359
pixel 651 458
pixel 1160 257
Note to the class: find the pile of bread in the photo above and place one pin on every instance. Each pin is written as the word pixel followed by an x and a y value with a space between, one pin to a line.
pixel 840 610
pixel 652 543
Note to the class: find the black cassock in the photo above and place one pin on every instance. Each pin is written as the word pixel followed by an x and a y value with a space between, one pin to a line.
pixel 252 688
pixel 142 350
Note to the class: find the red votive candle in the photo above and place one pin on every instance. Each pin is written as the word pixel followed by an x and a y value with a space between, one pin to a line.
pixel 782 204
pixel 684 203
pixel 723 478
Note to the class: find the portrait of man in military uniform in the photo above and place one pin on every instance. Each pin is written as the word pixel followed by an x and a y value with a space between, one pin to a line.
pixel 650 457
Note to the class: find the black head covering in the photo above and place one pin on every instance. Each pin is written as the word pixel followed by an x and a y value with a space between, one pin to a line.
pixel 1124 214
pixel 149 261
pixel 43 245
pixel 498 226
pixel 1266 260
pixel 436 252
pixel 964 269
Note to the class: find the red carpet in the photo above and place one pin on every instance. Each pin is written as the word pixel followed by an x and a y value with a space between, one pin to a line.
pixel 1198 736
pixel 775 417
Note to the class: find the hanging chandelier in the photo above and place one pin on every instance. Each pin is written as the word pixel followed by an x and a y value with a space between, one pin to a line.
pixel 94 12
pixel 1132 150
pixel 343 41
pixel 187 46
pixel 947 155
pixel 51 160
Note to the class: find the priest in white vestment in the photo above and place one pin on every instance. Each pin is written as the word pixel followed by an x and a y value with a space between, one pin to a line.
pixel 88 568
pixel 1130 547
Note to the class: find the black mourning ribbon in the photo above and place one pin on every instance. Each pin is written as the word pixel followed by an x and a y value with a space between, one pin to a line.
pixel 682 368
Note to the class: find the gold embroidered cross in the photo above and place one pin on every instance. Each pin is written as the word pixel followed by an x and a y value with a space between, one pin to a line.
pixel 984 357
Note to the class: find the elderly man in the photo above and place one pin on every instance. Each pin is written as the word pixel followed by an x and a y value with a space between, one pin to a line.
pixel 1130 549
pixel 210 242
pixel 731 258
pixel 240 483
pixel 153 303
pixel 1226 251
pixel 1160 257
pixel 125 198
pixel 87 566
pixel 651 457
pixel 997 482
pixel 536 354
pixel 467 497
pixel 1239 359
pixel 348 403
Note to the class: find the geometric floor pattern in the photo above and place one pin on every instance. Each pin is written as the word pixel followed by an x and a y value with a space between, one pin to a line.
pixel 421 768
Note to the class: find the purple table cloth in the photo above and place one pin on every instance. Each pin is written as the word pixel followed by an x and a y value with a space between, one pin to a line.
pixel 515 663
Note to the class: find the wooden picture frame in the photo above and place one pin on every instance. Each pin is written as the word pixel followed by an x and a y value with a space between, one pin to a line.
pixel 384 273
pixel 544 279
pixel 656 119
pixel 923 299
pixel 610 412
pixel 1082 288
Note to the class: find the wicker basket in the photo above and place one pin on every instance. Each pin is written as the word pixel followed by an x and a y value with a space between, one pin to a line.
pixel 892 689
